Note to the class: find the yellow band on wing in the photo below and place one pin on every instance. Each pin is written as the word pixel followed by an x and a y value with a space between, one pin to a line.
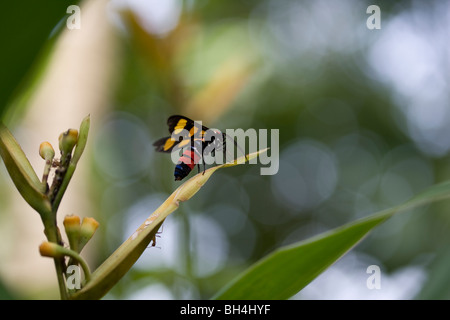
pixel 180 126
pixel 169 143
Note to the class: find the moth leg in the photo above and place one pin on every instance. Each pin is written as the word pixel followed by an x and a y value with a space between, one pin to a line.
pixel 204 164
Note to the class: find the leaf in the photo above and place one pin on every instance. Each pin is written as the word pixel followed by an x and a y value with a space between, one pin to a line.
pixel 115 267
pixel 22 173
pixel 24 32
pixel 286 271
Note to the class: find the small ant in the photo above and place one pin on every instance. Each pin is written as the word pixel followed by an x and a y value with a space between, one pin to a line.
pixel 157 234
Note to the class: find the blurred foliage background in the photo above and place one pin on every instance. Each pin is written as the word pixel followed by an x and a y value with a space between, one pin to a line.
pixel 363 118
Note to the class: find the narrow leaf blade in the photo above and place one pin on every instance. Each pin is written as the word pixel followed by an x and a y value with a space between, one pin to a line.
pixel 288 270
pixel 21 172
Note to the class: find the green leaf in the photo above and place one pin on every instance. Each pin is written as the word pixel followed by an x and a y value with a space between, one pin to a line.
pixel 286 271
pixel 115 267
pixel 25 29
pixel 82 139
pixel 22 173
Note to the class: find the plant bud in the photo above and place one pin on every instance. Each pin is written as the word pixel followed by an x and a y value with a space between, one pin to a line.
pixel 50 249
pixel 68 140
pixel 87 230
pixel 72 227
pixel 46 151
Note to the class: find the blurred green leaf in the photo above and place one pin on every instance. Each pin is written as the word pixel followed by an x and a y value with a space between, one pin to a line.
pixel 288 270
pixel 25 28
pixel 6 293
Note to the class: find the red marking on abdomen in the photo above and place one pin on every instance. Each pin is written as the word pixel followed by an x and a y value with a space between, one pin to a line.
pixel 190 158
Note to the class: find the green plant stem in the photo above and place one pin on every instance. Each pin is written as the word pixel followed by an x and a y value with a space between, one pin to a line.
pixel 186 245
pixel 47 167
pixel 52 229
pixel 52 233
pixel 75 256
pixel 72 161
pixel 62 188
pixel 61 280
